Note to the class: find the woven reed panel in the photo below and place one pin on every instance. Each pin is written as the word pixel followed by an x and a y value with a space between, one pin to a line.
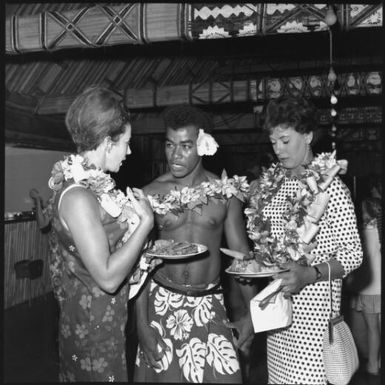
pixel 224 92
pixel 98 26
pixel 166 21
pixel 313 86
pixel 23 240
pixel 138 23
pixel 218 20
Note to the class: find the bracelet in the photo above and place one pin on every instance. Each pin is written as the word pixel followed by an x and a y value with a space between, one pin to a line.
pixel 319 274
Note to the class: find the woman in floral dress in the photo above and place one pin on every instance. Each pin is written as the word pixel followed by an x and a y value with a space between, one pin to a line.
pixel 99 233
pixel 294 353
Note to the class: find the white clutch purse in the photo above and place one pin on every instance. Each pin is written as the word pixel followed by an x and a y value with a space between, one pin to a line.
pixel 269 309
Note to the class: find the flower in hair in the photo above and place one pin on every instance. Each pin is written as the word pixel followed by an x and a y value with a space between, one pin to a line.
pixel 206 144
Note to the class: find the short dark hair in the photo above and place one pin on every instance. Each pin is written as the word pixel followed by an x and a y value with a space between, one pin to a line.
pixel 183 115
pixel 292 111
pixel 95 114
pixel 374 181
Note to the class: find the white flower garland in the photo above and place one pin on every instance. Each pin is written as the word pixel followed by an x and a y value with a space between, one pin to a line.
pixel 301 216
pixel 76 168
pixel 113 201
pixel 193 198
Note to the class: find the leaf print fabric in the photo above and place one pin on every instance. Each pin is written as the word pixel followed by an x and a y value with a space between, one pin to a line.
pixel 168 356
pixel 201 348
pixel 221 354
pixel 165 299
pixel 202 309
pixel 192 360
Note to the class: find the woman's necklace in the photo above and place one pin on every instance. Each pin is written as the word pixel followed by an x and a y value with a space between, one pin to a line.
pixel 77 169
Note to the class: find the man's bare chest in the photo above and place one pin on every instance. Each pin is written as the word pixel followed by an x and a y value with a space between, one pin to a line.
pixel 210 216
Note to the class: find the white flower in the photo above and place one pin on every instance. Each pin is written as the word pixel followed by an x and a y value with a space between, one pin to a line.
pixel 78 172
pixel 206 144
pixel 185 195
pixel 85 301
pixel 143 264
pixel 325 160
pixel 180 324
pixel 99 364
pixel 65 331
pixel 81 330
pixel 86 364
pixel 109 205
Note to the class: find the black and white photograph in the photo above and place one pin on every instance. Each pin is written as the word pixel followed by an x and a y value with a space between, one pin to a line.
pixel 193 192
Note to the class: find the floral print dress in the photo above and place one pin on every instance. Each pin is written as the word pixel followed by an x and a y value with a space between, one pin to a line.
pixel 92 322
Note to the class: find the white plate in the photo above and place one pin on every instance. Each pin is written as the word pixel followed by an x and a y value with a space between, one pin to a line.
pixel 201 249
pixel 259 274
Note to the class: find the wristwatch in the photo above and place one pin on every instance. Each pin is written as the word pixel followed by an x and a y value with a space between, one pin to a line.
pixel 319 275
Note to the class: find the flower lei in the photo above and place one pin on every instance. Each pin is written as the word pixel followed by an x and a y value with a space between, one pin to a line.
pixel 301 215
pixel 193 198
pixel 76 168
pixel 113 201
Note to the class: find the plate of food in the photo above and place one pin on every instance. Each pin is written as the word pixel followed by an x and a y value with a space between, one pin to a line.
pixel 170 249
pixel 252 269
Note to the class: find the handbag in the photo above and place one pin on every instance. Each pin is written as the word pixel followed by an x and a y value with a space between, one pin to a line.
pixel 339 350
pixel 269 309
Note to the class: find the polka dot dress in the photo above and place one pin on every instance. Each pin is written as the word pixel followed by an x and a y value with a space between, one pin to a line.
pixel 294 354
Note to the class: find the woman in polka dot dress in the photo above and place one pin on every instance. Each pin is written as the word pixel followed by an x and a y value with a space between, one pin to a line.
pixel 295 353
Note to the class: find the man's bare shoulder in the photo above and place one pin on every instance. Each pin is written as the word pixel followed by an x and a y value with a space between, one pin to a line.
pixel 211 175
pixel 160 185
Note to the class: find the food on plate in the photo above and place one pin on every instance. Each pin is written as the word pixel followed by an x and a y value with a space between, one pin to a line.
pixel 170 247
pixel 250 266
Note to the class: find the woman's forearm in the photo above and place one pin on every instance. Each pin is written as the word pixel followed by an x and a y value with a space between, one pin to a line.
pixel 121 262
pixel 321 272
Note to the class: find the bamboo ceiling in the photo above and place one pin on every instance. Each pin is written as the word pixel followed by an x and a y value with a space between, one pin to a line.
pixel 227 58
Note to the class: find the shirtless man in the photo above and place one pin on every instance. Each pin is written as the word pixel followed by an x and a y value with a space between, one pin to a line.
pixel 181 318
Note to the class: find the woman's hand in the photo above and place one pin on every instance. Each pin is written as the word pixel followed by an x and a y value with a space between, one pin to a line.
pixel 294 280
pixel 141 205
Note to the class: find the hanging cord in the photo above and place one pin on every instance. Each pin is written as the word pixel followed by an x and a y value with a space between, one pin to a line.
pixel 331 71
pixel 330 289
pixel 330 323
pixel 330 47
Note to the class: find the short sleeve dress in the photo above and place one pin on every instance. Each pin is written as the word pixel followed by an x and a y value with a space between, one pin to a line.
pixel 294 354
pixel 366 281
pixel 91 322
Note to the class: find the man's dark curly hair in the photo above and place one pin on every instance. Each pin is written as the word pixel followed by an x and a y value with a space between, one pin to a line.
pixel 95 114
pixel 184 115
pixel 291 111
